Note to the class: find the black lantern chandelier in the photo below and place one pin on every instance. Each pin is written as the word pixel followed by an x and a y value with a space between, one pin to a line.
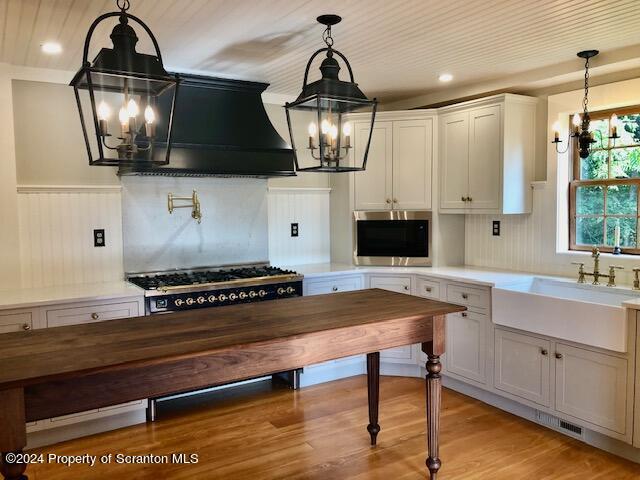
pixel 134 85
pixel 319 114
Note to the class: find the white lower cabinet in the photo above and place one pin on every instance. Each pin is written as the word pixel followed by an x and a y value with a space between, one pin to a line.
pixel 466 346
pixel 335 284
pixel 591 386
pixel 400 284
pixel 522 366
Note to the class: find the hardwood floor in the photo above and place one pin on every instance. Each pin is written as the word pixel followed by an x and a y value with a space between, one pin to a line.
pixel 320 432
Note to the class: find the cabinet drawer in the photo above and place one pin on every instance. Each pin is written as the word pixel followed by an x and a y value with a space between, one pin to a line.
pixel 468 296
pixel 16 321
pixel 393 284
pixel 428 288
pixel 333 285
pixel 91 313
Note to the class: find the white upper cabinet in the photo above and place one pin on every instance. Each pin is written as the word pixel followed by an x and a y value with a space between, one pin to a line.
pixel 412 162
pixel 487 155
pixel 374 185
pixel 399 165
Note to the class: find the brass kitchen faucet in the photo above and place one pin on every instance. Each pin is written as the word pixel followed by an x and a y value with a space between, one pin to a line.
pixel 595 253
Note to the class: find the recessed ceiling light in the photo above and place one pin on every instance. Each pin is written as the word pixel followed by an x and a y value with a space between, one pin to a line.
pixel 445 77
pixel 51 48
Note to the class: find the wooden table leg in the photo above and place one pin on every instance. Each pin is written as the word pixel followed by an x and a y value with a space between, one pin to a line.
pixel 373 386
pixel 13 433
pixel 433 350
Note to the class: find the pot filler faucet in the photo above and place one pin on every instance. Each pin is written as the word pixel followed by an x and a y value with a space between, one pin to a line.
pixel 595 253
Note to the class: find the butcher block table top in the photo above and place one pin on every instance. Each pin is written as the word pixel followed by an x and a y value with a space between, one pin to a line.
pixel 55 353
pixel 57 371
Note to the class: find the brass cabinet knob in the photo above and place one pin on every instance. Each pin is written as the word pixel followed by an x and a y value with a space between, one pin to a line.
pixel 406 287
pixel 469 199
pixel 464 314
pixel 335 289
pixel 464 199
pixel 95 316
pixel 395 200
pixel 388 200
pixel 26 326
pixel 558 356
pixel 465 296
pixel 544 352
pixel 428 289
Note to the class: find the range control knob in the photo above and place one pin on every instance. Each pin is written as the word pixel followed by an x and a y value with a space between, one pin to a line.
pixel 242 295
pixel 291 290
pixel 222 297
pixel 201 300
pixel 262 293
pixel 252 294
pixel 190 301
pixel 211 298
pixel 178 302
pixel 280 291
pixel 233 297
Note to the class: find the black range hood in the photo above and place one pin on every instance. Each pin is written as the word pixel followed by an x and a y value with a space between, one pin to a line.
pixel 220 128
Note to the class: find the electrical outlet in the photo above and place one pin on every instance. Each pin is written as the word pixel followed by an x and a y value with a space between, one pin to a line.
pixel 496 228
pixel 98 237
pixel 294 229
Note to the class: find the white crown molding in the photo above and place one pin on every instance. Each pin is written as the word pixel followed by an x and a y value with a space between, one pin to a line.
pixel 299 190
pixel 69 188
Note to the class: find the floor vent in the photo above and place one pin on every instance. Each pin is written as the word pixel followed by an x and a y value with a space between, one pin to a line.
pixel 559 425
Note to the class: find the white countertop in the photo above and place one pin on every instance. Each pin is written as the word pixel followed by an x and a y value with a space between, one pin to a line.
pixel 86 292
pixel 478 276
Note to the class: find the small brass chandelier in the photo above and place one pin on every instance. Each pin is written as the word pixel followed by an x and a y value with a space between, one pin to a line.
pixel 137 86
pixel 323 106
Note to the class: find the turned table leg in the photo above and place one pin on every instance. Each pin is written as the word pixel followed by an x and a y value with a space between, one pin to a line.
pixel 373 386
pixel 433 350
pixel 10 469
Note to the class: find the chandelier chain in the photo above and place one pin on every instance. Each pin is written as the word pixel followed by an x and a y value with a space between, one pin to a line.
pixel 326 36
pixel 585 100
pixel 123 5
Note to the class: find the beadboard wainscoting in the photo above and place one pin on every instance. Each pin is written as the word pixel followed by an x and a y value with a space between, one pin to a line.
pixel 56 226
pixel 522 244
pixel 309 208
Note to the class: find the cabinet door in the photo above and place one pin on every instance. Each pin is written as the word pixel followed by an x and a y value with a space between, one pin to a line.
pixel 402 354
pixel 454 164
pixel 466 345
pixel 522 366
pixel 373 188
pixel 485 153
pixel 591 386
pixel 412 163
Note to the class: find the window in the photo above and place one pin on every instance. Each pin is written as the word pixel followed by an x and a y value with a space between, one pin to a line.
pixel 605 189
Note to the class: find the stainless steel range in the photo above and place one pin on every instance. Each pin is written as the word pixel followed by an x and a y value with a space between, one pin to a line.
pixel 178 290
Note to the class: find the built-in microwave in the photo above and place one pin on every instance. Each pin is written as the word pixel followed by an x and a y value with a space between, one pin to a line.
pixel 392 237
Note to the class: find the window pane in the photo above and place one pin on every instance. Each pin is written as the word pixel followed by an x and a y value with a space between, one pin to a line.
pixel 628 231
pixel 600 130
pixel 594 166
pixel 590 200
pixel 625 162
pixel 628 129
pixel 589 230
pixel 622 199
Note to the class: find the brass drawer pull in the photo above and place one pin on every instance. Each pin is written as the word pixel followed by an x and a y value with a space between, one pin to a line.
pixel 428 289
pixel 465 296
pixel 465 314
pixel 335 289
pixel 406 287
pixel 95 316
pixel 26 326
pixel 558 356
pixel 544 352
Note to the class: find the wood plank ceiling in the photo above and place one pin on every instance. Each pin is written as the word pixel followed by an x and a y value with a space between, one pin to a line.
pixel 397 47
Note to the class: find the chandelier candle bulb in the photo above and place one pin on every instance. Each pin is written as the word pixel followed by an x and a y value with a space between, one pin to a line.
pixel 556 132
pixel 150 117
pixel 124 120
pixel 104 112
pixel 614 126
pixel 313 131
pixel 576 123
pixel 346 131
